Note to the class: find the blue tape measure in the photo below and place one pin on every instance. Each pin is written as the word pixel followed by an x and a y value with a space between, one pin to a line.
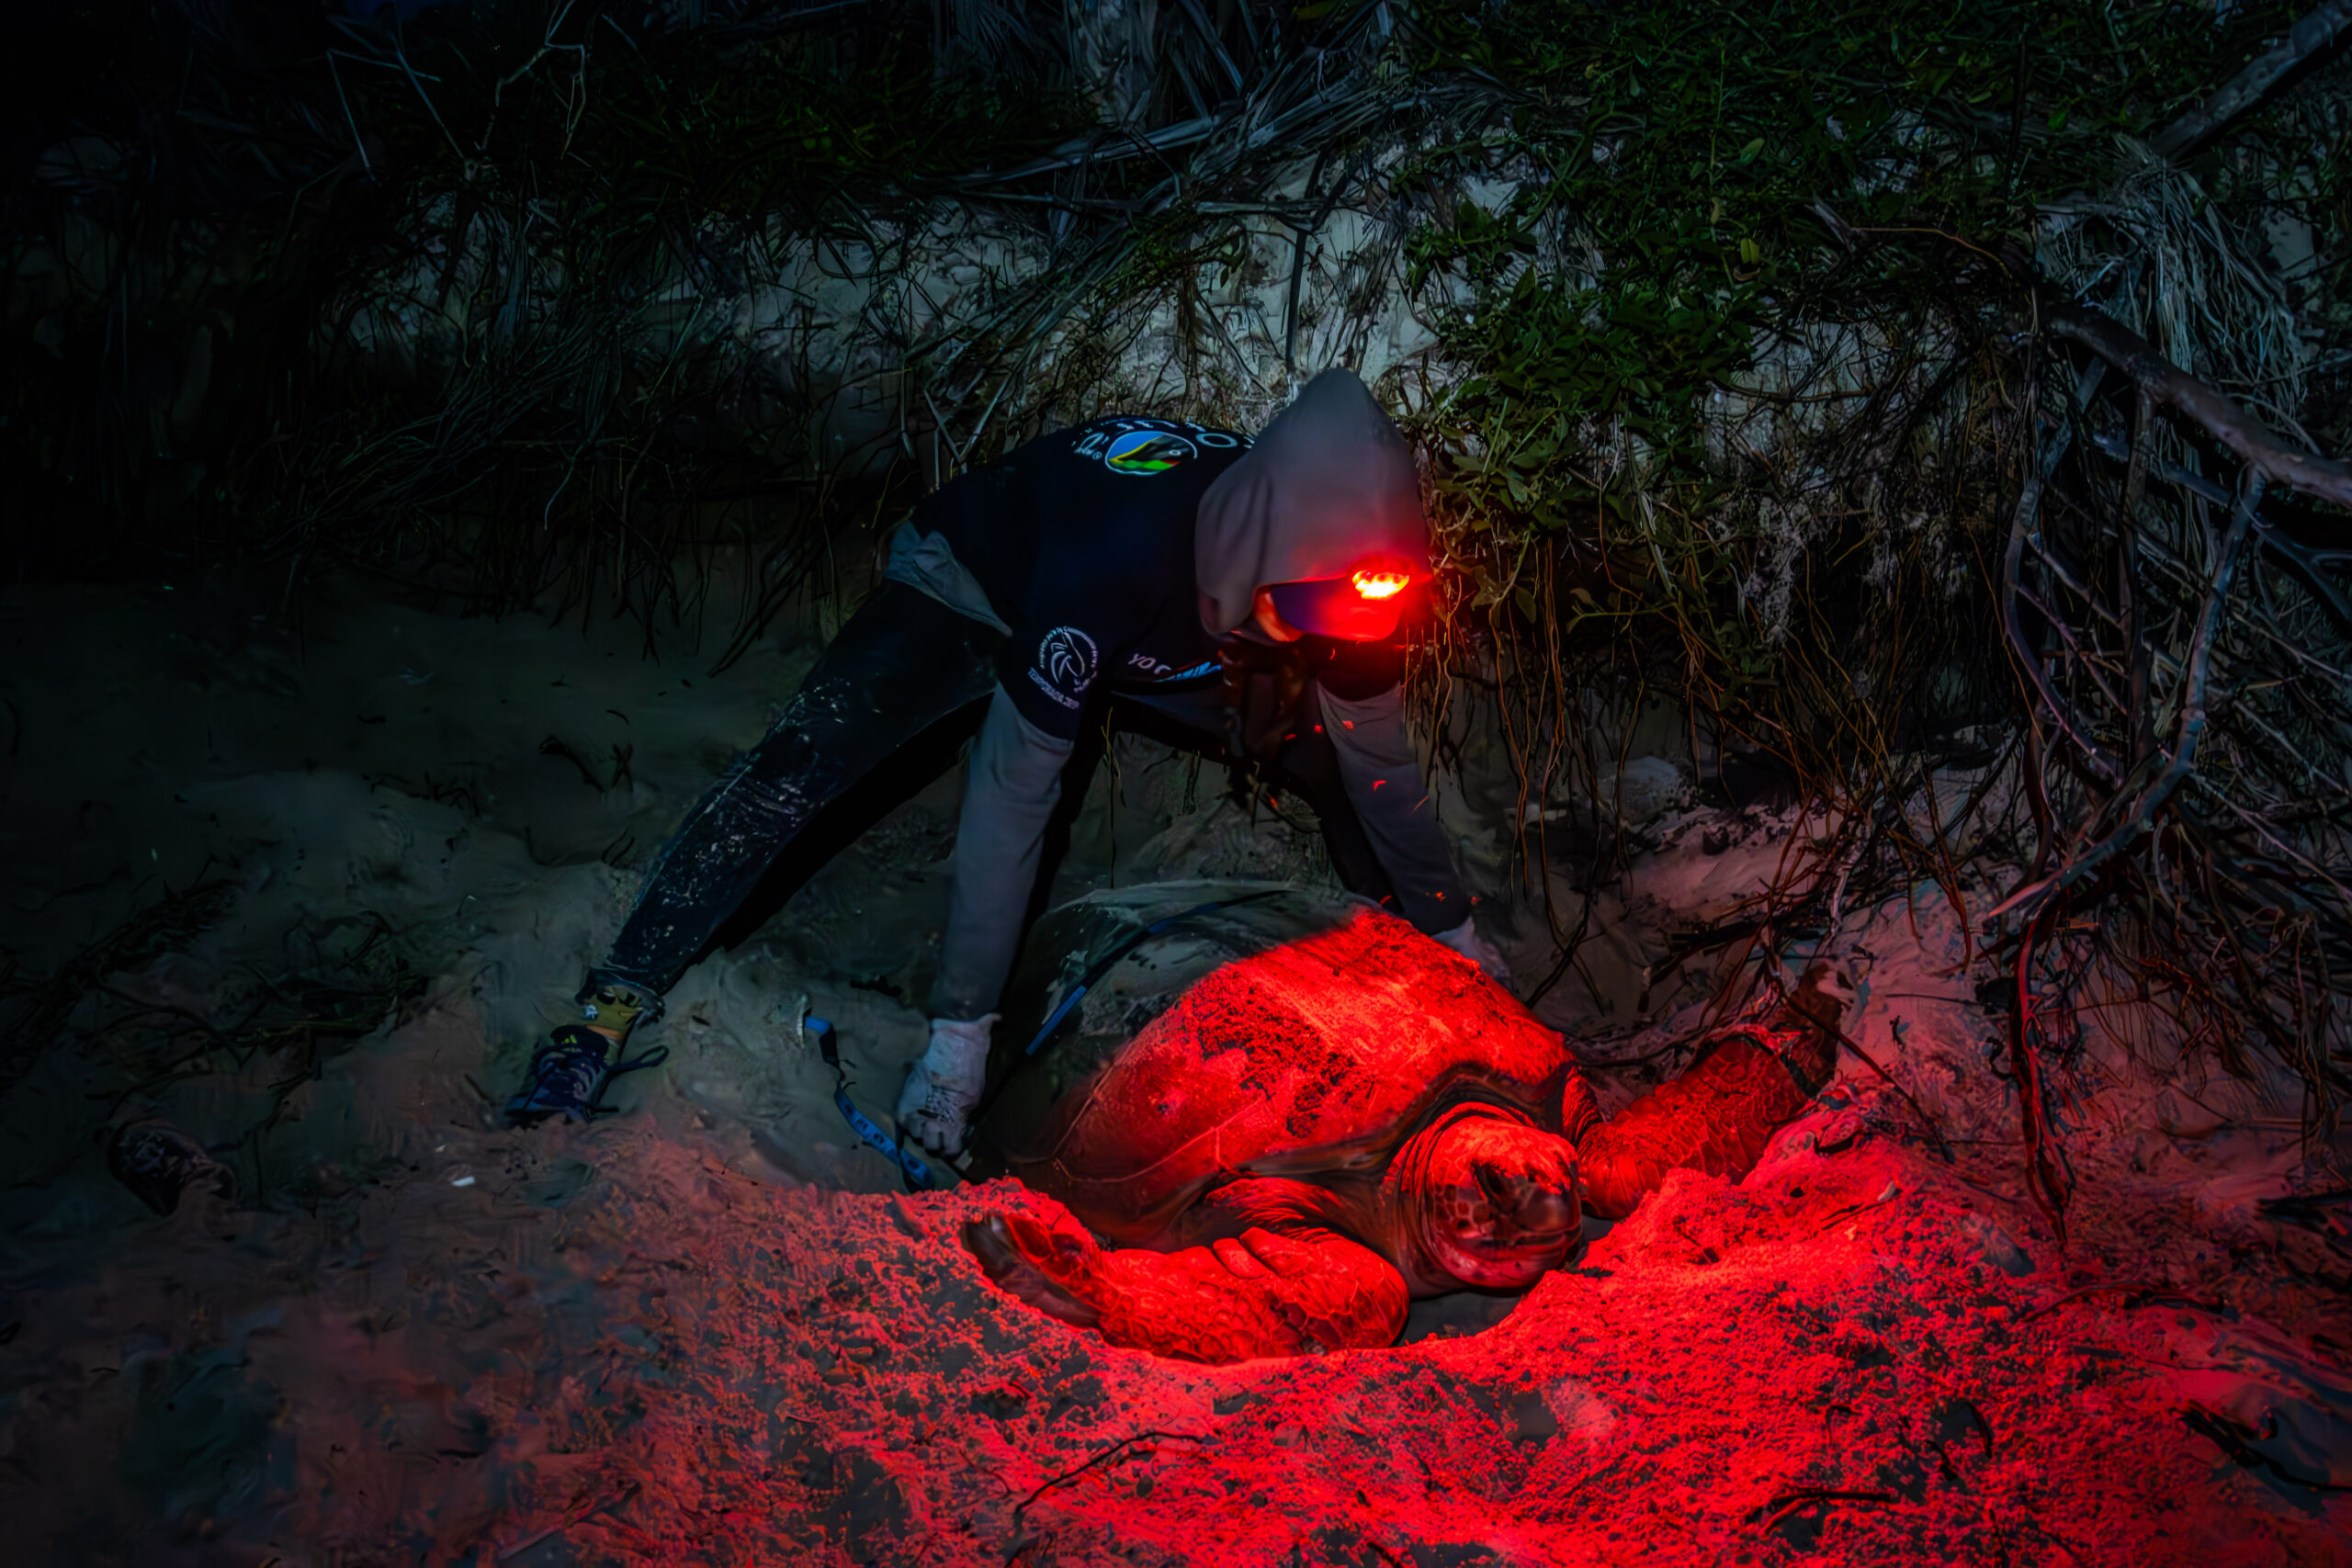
pixel 829 1044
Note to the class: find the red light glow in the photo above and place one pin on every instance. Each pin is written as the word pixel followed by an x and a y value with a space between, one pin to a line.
pixel 1380 583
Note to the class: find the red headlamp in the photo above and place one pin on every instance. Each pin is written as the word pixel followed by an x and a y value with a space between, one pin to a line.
pixel 1362 605
pixel 1379 582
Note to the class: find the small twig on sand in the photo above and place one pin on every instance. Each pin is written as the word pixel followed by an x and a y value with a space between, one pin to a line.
pixel 555 747
pixel 2041 1178
pixel 163 926
pixel 1836 1215
pixel 2140 1294
pixel 2054 1539
pixel 1787 1501
pixel 614 1501
pixel 1102 1458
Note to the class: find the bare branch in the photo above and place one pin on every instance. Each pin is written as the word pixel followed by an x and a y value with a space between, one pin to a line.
pixel 2313 35
pixel 2141 817
pixel 2241 431
pixel 2022 524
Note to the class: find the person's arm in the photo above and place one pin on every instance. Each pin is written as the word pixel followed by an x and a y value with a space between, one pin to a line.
pixel 1013 785
pixel 1010 791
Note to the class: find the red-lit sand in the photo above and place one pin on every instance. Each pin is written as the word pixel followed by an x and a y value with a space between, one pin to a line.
pixel 643 1343
pixel 1842 1361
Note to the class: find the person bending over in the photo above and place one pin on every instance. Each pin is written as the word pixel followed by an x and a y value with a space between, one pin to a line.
pixel 1241 598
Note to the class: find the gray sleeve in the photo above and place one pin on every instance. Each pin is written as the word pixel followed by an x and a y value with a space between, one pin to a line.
pixel 1010 790
pixel 1385 783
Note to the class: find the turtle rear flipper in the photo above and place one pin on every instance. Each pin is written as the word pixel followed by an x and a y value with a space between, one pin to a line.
pixel 1260 1293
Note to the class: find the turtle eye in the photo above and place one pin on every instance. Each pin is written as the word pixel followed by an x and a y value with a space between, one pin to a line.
pixel 1495 1185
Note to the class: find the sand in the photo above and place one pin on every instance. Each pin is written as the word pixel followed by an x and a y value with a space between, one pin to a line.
pixel 708 1329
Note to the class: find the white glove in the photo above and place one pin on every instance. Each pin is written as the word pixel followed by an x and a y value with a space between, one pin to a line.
pixel 1464 940
pixel 936 1107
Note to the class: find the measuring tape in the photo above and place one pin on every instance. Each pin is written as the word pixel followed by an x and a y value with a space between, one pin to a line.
pixel 918 1174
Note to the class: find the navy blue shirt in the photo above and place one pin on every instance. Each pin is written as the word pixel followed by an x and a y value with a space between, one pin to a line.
pixel 1083 540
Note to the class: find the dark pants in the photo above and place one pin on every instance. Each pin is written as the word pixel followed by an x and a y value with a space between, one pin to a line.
pixel 904 667
pixel 1193 720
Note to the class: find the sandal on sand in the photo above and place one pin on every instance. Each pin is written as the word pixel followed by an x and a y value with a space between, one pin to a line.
pixel 569 1075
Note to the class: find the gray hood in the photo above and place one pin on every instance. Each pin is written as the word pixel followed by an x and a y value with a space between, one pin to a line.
pixel 1328 483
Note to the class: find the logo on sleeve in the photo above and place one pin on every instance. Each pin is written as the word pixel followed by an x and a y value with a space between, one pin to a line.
pixel 1066 664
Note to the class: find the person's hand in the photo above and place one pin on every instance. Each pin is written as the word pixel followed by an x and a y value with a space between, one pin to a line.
pixel 935 1108
pixel 1464 940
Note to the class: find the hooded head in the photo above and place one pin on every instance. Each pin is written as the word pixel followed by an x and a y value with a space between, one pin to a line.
pixel 1327 492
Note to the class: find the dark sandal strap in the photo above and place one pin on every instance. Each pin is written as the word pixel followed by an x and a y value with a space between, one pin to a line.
pixel 653 1058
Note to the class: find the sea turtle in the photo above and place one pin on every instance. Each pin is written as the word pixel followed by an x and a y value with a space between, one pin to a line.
pixel 1289 1113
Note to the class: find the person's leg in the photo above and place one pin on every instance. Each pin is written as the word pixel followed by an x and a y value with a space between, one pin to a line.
pixel 902 664
pixel 1306 765
pixel 1310 765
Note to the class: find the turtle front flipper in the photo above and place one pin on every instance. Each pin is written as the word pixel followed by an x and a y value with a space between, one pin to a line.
pixel 1721 1112
pixel 1259 1293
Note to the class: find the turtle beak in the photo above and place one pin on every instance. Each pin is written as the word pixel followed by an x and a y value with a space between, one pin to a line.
pixel 1546 1215
pixel 1537 1210
pixel 1513 1213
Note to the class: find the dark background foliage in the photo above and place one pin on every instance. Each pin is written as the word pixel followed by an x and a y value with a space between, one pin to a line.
pixel 1740 383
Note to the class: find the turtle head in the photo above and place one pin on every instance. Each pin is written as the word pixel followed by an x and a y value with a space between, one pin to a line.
pixel 1496 1201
